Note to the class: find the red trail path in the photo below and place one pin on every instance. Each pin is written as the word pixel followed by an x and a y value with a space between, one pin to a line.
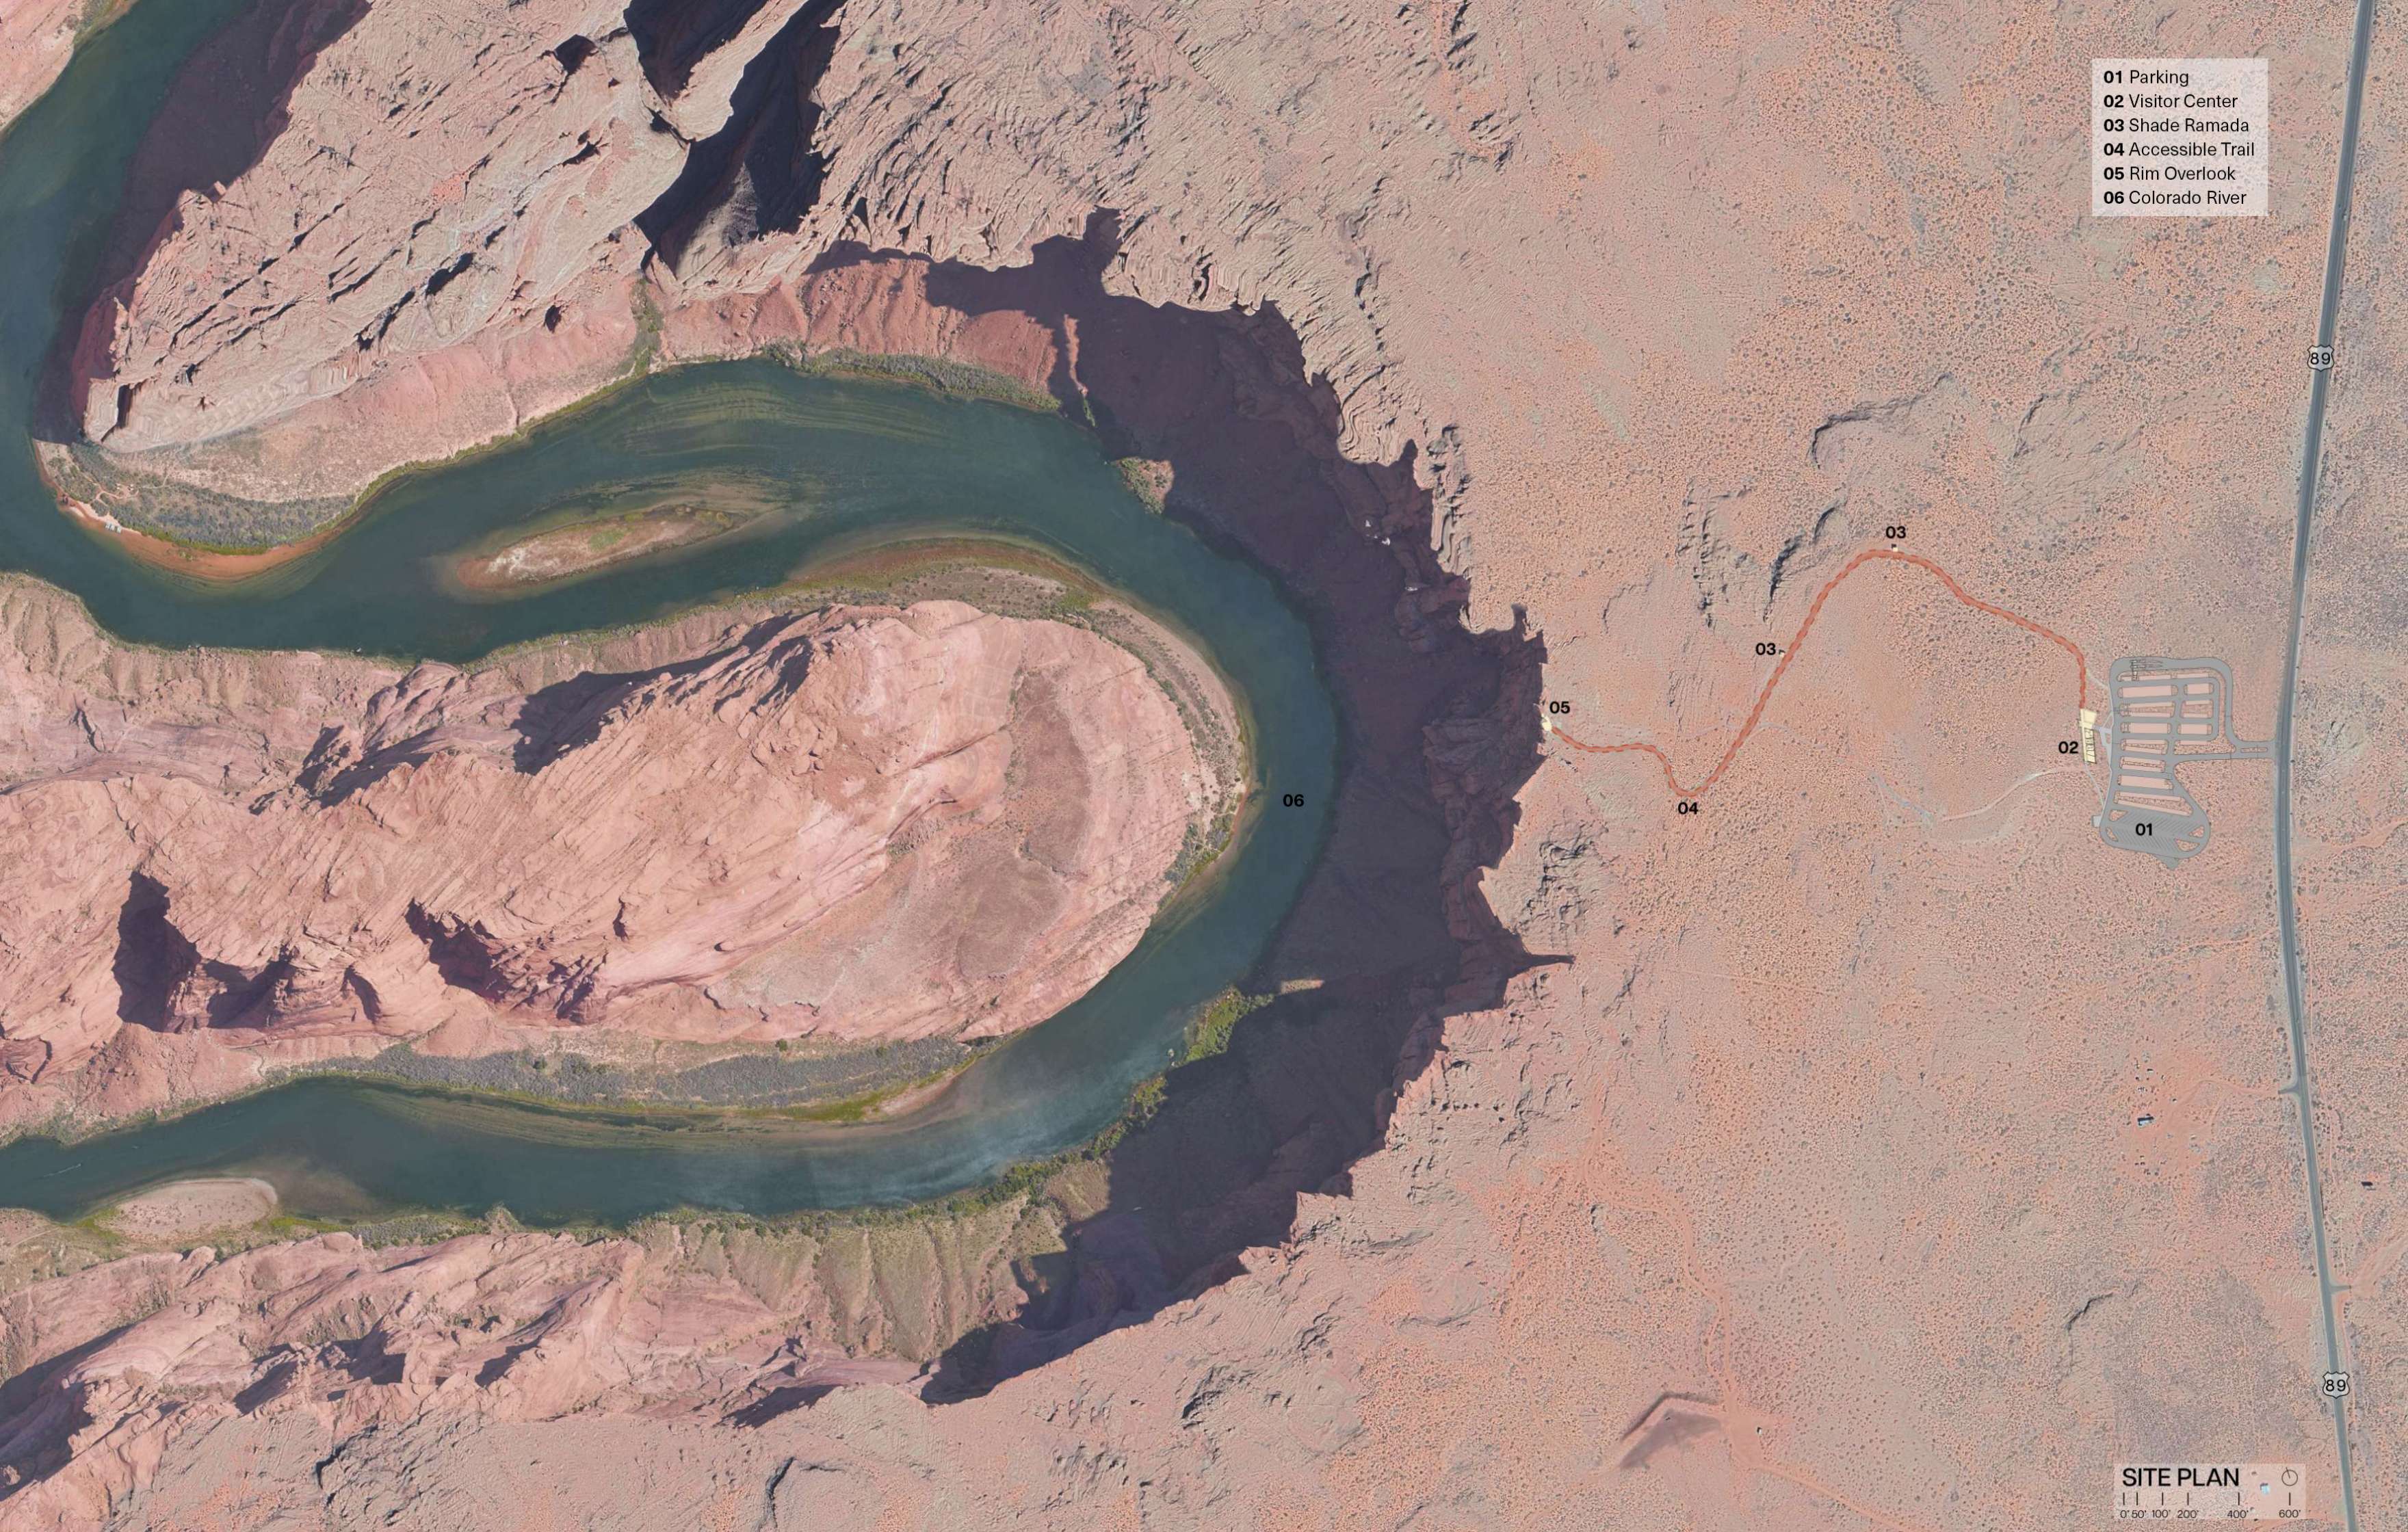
pixel 1789 653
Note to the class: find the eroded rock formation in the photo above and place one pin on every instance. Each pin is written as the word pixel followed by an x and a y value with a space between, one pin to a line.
pixel 865 824
pixel 443 170
pixel 1391 936
pixel 1751 1215
pixel 1250 441
pixel 733 1327
pixel 520 195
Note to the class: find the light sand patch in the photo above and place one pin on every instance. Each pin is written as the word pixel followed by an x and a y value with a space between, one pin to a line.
pixel 185 1207
pixel 583 547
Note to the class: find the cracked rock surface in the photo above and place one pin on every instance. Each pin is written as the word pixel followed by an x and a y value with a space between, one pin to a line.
pixel 1811 1184
pixel 864 825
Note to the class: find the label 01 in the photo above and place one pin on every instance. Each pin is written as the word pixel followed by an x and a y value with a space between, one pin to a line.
pixel 2178 137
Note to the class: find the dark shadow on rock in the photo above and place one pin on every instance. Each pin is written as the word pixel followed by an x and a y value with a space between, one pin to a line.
pixel 458 952
pixel 236 996
pixel 673 36
pixel 779 1401
pixel 166 984
pixel 268 1386
pixel 758 173
pixel 153 958
pixel 40 1414
pixel 553 722
pixel 366 1359
pixel 1440 727
pixel 1673 1429
pixel 571 714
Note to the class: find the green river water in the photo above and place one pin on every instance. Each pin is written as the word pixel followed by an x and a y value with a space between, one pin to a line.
pixel 852 463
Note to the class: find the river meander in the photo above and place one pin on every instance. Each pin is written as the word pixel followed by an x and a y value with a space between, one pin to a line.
pixel 847 463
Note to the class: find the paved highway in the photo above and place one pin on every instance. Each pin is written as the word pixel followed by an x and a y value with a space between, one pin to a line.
pixel 2294 989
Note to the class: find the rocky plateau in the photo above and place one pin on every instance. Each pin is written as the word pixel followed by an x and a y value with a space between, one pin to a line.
pixel 1788 1165
pixel 862 824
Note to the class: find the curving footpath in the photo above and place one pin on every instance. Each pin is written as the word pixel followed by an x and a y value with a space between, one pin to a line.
pixel 1789 653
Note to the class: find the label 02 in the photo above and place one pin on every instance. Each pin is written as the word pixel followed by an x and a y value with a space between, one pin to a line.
pixel 2178 137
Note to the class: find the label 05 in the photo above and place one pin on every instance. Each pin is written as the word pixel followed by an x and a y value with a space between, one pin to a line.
pixel 2178 137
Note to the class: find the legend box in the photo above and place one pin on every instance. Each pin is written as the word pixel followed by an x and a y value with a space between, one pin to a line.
pixel 2178 137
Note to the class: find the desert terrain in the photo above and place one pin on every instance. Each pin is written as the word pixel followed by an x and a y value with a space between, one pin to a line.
pixel 1873 1147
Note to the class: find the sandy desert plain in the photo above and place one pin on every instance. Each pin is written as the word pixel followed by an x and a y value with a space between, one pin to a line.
pixel 1874 1147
